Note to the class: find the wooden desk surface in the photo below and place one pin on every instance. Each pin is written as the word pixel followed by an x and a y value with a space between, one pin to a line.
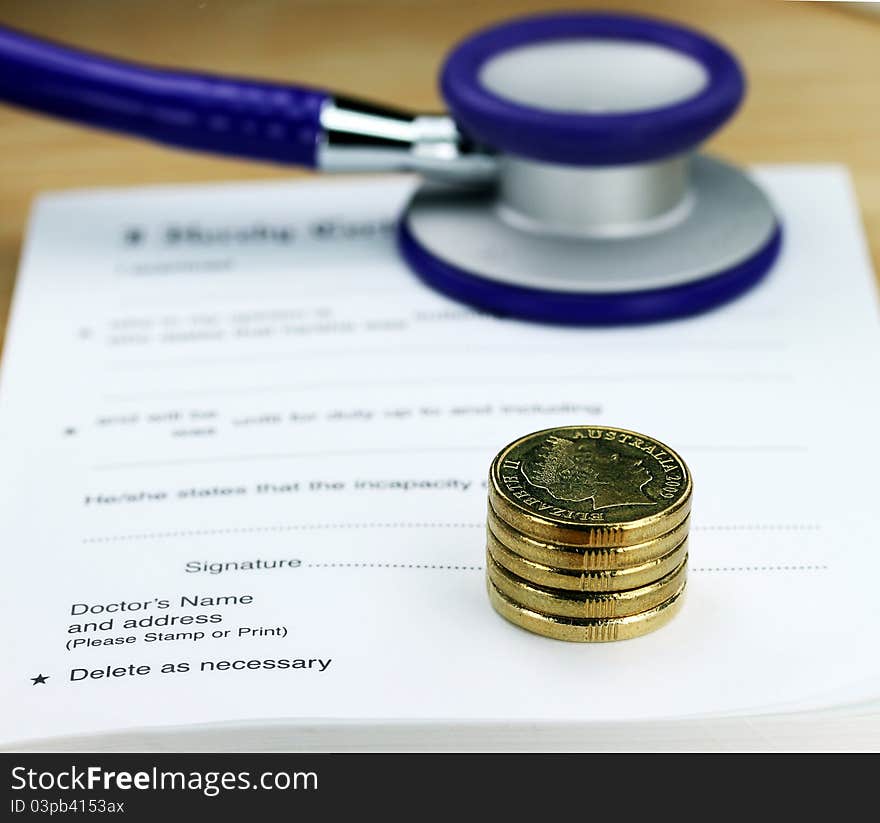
pixel 814 81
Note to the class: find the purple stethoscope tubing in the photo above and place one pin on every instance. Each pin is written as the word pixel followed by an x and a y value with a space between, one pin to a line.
pixel 244 118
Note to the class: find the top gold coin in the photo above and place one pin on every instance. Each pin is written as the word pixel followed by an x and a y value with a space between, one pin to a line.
pixel 590 486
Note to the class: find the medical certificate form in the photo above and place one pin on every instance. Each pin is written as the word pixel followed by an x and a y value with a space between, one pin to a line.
pixel 243 461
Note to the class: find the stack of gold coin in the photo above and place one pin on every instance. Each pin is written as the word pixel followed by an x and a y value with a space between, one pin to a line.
pixel 588 533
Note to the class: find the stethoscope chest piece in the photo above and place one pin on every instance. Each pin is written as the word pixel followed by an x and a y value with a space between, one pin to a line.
pixel 566 185
pixel 600 212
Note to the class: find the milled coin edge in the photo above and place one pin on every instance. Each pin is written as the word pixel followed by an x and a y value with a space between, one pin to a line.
pixel 567 603
pixel 586 630
pixel 582 557
pixel 599 580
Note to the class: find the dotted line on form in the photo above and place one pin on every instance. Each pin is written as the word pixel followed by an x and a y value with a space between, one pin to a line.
pixel 800 527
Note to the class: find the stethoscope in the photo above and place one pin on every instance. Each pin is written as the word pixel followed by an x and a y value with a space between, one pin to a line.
pixel 564 186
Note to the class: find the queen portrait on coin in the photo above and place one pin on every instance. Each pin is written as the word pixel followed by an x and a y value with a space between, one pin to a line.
pixel 576 471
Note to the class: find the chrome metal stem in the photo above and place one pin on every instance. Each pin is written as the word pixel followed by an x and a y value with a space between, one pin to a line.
pixel 360 137
pixel 539 197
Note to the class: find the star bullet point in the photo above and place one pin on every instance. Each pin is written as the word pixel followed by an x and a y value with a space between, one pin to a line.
pixel 40 678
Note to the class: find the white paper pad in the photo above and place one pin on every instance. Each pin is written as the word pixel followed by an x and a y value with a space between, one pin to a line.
pixel 204 375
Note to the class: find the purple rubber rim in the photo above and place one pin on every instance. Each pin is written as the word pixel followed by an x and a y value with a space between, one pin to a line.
pixel 590 139
pixel 593 309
